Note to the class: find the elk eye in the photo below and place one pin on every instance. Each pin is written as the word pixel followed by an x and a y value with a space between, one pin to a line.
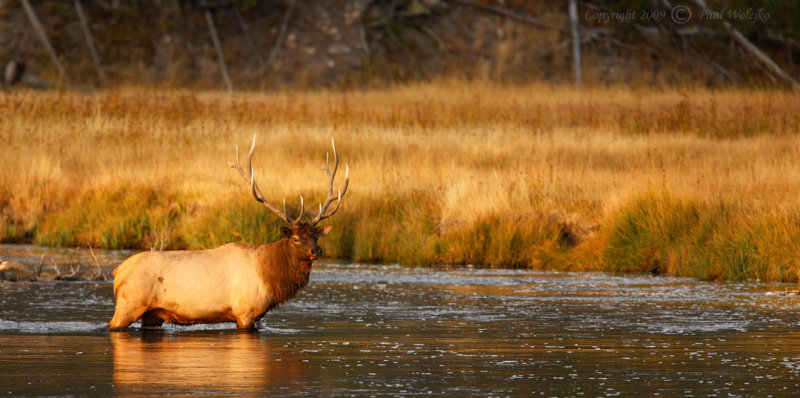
pixel 296 239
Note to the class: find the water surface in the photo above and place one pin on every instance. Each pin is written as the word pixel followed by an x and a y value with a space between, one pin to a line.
pixel 370 330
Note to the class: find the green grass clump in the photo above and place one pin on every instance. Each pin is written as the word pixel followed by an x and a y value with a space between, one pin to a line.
pixel 662 234
pixel 503 242
pixel 658 234
pixel 110 219
pixel 8 231
pixel 393 229
pixel 765 247
pixel 405 230
pixel 241 220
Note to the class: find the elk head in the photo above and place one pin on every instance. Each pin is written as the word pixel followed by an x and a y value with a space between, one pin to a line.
pixel 302 237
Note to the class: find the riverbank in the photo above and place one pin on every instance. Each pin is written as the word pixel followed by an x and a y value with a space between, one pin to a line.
pixel 683 182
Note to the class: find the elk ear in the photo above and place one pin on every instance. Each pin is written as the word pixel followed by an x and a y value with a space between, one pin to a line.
pixel 286 232
pixel 324 230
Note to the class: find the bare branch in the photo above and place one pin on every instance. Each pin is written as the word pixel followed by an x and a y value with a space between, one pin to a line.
pixel 97 272
pixel 751 48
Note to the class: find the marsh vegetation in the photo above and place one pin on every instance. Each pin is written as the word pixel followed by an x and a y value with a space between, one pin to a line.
pixel 692 182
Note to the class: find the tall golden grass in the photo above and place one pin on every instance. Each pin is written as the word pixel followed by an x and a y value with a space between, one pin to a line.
pixel 691 182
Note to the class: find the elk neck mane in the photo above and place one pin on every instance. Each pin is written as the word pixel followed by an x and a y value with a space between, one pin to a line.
pixel 284 275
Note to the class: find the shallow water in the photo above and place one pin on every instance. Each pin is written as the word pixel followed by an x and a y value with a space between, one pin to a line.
pixel 366 330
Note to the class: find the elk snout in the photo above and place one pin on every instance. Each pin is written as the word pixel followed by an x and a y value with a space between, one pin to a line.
pixel 316 252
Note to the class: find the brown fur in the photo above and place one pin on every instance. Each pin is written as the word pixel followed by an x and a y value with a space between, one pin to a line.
pixel 232 283
pixel 289 278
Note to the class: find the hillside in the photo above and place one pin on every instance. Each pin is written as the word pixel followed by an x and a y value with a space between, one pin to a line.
pixel 301 43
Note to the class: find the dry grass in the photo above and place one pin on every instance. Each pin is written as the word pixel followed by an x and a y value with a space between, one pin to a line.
pixel 449 172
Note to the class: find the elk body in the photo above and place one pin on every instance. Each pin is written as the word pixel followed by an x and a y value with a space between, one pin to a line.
pixel 231 283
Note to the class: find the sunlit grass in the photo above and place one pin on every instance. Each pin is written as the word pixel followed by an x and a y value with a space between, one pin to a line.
pixel 696 182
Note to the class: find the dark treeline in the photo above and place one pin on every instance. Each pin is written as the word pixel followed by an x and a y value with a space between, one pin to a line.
pixel 249 44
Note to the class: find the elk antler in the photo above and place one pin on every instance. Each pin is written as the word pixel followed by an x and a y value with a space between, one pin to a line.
pixel 257 191
pixel 323 208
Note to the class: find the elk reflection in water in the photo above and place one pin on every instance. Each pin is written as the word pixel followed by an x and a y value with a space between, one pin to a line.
pixel 153 361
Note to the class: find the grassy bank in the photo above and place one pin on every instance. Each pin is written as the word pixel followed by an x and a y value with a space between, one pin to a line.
pixel 696 183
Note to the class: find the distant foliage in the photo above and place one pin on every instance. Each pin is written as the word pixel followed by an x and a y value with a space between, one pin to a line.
pixel 691 182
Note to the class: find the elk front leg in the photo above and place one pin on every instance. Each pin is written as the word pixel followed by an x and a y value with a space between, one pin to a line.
pixel 123 317
pixel 246 321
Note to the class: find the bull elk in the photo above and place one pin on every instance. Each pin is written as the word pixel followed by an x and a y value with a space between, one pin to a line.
pixel 232 283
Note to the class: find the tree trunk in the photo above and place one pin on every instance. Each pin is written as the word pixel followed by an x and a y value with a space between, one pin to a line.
pixel 282 35
pixel 218 46
pixel 37 26
pixel 576 41
pixel 90 43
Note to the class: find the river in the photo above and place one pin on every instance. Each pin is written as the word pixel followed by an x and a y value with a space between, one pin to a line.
pixel 384 330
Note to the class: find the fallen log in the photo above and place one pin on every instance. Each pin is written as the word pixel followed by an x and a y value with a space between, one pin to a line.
pixel 15 271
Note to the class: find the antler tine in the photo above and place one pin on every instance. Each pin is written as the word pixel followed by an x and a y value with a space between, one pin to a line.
pixel 255 188
pixel 323 208
pixel 260 197
pixel 302 211
pixel 341 192
pixel 238 166
pixel 335 166
pixel 335 209
pixel 250 157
